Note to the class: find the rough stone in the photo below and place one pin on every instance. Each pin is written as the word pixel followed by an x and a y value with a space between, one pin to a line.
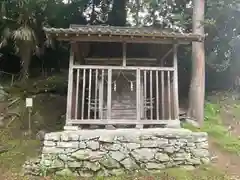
pixel 69 137
pixel 93 145
pixel 200 153
pixel 65 158
pixel 114 147
pixel 74 164
pixel 57 164
pixel 49 143
pixel 86 174
pixel 205 160
pixel 129 164
pixel 144 154
pixel 68 144
pixel 109 162
pixel 92 166
pixel 81 154
pixel 52 137
pixel 88 155
pixel 132 146
pixel 169 149
pixel 82 145
pixel 117 155
pixel 106 139
pixel 149 144
pixel 181 156
pixel 162 157
pixel 114 152
pixel 203 145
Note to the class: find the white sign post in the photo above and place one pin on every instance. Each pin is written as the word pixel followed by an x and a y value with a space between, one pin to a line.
pixel 29 105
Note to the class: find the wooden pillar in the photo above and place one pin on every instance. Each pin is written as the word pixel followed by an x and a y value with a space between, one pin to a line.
pixel 197 87
pixel 175 83
pixel 138 98
pixel 70 86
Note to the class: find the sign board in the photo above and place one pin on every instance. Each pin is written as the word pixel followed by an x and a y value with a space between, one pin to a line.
pixel 29 102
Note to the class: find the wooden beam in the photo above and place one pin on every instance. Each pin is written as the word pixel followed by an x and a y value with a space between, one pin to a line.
pixel 70 86
pixel 119 63
pixel 119 59
pixel 124 54
pixel 165 56
pixel 94 38
pixel 123 68
pixel 138 98
pixel 175 82
pixel 123 121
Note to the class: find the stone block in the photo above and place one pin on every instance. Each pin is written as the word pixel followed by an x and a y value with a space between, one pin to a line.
pixel 52 137
pixel 70 144
pixel 153 165
pixel 110 163
pixel 201 153
pixel 49 143
pixel 68 136
pixel 74 164
pixel 162 157
pixel 88 155
pixel 117 155
pixel 129 164
pixel 92 166
pixel 144 154
pixel 93 145
pixel 132 146
pixel 52 150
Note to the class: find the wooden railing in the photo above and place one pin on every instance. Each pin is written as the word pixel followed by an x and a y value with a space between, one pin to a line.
pixel 92 92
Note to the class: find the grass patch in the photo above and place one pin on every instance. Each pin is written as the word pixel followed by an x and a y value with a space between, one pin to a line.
pixel 214 127
pixel 202 173
pixel 19 151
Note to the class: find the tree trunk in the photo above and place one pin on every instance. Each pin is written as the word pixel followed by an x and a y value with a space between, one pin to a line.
pixel 25 52
pixel 197 87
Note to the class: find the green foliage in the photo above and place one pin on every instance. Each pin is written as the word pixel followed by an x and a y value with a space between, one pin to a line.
pixel 216 130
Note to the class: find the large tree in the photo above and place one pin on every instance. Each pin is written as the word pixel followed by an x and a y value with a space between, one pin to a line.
pixel 197 87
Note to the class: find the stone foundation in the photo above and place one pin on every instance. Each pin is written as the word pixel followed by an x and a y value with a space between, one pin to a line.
pixel 114 152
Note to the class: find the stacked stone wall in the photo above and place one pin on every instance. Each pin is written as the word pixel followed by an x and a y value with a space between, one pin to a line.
pixel 114 152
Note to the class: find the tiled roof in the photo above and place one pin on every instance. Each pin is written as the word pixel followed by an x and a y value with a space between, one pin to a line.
pixel 76 30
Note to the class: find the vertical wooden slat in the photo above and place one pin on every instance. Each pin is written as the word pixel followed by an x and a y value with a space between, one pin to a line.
pixel 169 95
pixel 138 98
pixel 109 95
pixel 89 91
pixel 151 96
pixel 77 94
pixel 83 93
pixel 124 54
pixel 157 95
pixel 175 82
pixel 101 90
pixel 96 94
pixel 162 96
pixel 145 94
pixel 70 87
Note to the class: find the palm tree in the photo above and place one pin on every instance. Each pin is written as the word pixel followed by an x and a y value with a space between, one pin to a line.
pixel 20 31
